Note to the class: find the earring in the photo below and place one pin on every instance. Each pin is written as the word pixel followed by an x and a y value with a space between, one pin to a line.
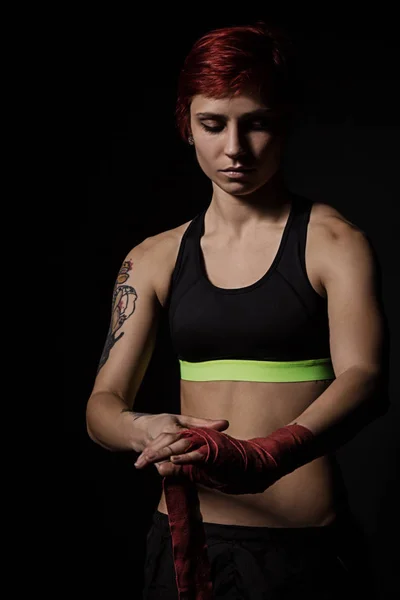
pixel 191 140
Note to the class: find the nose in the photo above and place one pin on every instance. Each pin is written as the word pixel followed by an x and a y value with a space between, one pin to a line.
pixel 234 142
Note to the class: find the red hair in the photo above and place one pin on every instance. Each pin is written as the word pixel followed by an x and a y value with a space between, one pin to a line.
pixel 225 62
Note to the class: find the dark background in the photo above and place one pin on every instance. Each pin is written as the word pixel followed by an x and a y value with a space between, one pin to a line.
pixel 140 179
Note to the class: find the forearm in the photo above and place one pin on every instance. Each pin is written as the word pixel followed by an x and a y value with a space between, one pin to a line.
pixel 236 466
pixel 113 426
pixel 338 408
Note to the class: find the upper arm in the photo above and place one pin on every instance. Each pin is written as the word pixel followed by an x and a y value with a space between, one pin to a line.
pixel 133 326
pixel 349 273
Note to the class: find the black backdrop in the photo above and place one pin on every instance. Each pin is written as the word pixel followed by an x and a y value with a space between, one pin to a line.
pixel 140 179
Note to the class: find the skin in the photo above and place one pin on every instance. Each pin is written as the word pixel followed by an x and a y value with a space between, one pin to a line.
pixel 244 134
pixel 243 228
pixel 233 132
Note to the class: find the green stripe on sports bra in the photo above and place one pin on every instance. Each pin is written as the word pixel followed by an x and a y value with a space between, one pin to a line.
pixel 257 370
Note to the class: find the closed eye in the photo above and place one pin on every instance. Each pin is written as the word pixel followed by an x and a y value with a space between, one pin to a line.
pixel 264 124
pixel 259 125
pixel 214 129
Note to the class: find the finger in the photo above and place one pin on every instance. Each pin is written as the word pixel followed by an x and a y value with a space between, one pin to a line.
pixel 162 450
pixel 167 469
pixel 189 421
pixel 187 458
pixel 162 440
pixel 219 425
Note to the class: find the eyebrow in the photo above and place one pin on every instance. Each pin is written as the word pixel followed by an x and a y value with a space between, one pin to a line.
pixel 259 112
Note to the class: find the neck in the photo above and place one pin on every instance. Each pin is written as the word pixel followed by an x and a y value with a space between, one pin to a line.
pixel 268 205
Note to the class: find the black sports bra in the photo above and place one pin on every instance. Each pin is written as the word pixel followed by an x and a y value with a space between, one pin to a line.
pixel 275 329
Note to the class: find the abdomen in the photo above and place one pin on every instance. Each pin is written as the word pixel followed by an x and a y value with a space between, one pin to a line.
pixel 308 496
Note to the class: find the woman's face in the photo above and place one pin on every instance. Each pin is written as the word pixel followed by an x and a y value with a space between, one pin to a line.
pixel 240 132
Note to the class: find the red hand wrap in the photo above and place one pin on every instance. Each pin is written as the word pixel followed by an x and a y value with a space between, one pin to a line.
pixel 232 466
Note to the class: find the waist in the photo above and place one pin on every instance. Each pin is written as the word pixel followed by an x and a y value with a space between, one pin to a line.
pixel 310 496
pixel 257 370
pixel 244 532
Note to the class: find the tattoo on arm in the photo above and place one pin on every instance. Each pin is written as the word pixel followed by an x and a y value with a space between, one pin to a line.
pixel 123 274
pixel 135 415
pixel 123 306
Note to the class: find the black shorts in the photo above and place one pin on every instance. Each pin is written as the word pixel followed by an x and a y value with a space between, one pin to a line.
pixel 268 563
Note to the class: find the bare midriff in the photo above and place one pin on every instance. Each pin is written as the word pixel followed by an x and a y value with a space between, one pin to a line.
pixel 305 497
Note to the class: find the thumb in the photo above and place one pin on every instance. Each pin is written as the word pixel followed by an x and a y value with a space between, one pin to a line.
pixel 219 424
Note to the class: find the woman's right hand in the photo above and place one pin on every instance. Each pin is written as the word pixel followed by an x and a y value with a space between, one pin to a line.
pixel 164 433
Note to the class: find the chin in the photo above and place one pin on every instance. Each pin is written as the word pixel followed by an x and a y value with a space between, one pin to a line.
pixel 241 188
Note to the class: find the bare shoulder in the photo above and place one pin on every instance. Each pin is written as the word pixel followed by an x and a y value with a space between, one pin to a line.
pixel 329 226
pixel 162 251
pixel 166 243
pixel 334 241
pixel 325 216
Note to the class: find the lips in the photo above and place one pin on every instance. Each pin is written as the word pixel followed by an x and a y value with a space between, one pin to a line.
pixel 238 174
pixel 237 170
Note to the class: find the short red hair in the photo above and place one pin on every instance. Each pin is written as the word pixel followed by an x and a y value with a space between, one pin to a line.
pixel 226 61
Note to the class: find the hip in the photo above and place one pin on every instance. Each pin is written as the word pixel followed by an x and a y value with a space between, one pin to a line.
pixel 261 562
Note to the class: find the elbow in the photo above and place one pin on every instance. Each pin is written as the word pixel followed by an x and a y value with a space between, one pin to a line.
pixel 88 420
pixel 381 402
pixel 88 429
pixel 95 439
pixel 380 398
pixel 377 390
pixel 89 423
pixel 89 432
pixel 378 402
pixel 94 425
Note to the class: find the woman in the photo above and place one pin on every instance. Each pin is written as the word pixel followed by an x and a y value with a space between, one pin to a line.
pixel 275 319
